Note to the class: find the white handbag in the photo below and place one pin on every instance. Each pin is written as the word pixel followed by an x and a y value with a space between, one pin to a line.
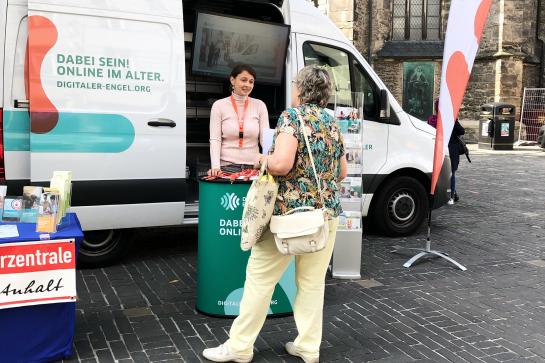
pixel 306 231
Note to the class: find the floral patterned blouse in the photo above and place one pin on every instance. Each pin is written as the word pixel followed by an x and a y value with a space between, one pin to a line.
pixel 298 188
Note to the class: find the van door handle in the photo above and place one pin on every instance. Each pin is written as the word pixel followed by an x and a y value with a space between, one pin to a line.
pixel 162 122
pixel 21 103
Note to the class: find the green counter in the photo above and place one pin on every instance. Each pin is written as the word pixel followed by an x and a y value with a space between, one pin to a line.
pixel 221 264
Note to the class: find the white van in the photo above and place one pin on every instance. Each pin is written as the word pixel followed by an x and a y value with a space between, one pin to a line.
pixel 105 89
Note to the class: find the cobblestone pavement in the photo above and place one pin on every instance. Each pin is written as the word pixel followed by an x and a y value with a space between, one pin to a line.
pixel 142 310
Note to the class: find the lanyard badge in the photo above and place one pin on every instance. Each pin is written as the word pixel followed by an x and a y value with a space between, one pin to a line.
pixel 240 120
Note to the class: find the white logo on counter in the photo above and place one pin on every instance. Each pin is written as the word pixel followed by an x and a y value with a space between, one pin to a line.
pixel 230 201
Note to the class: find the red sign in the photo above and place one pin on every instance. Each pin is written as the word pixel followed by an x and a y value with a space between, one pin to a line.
pixel 41 272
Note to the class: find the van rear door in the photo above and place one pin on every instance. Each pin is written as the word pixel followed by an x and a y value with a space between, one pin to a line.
pixel 15 117
pixel 107 101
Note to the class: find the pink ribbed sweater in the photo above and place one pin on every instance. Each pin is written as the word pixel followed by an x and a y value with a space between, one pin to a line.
pixel 224 147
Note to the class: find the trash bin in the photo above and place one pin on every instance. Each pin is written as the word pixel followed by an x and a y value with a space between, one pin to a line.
pixel 497 126
pixel 221 264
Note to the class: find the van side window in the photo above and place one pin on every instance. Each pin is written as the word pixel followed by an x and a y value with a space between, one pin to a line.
pixel 362 83
pixel 347 76
pixel 337 63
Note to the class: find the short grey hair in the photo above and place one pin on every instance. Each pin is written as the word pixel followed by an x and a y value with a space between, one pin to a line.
pixel 314 85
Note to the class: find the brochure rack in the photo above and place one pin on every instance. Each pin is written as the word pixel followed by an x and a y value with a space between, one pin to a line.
pixel 346 263
pixel 45 207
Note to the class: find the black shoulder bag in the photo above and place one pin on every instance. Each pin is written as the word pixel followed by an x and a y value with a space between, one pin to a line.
pixel 462 148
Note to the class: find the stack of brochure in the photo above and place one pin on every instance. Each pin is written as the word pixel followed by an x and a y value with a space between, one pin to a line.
pixel 349 112
pixel 62 183
pixel 55 202
pixel 44 206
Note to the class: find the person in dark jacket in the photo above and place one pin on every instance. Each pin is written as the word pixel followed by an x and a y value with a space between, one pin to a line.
pixel 454 150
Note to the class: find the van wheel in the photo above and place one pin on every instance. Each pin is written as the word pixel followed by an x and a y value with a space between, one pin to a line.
pixel 401 207
pixel 102 248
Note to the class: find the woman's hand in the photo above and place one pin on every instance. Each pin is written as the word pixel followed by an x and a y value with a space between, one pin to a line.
pixel 262 159
pixel 259 161
pixel 214 172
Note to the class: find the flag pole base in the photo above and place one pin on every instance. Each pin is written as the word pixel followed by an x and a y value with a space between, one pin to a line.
pixel 427 253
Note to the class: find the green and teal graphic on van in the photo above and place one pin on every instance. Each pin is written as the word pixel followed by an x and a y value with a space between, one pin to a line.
pixel 16 131
pixel 86 133
pixel 73 133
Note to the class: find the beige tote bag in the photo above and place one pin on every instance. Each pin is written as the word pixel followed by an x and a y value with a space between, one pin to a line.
pixel 258 208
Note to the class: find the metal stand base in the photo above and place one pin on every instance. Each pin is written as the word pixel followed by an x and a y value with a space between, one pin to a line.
pixel 427 252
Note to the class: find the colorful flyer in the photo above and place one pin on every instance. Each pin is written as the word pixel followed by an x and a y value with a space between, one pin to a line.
pixel 354 160
pixel 351 188
pixel 47 213
pixel 13 207
pixel 350 220
pixel 346 113
pixel 31 203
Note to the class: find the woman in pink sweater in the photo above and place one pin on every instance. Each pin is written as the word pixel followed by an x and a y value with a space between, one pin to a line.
pixel 237 125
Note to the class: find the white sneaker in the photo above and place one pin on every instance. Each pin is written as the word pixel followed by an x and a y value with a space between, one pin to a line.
pixel 450 201
pixel 291 349
pixel 221 353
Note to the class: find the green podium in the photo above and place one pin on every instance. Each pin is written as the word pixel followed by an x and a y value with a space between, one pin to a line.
pixel 221 264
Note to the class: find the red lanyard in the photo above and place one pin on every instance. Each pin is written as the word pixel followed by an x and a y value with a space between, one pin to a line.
pixel 240 120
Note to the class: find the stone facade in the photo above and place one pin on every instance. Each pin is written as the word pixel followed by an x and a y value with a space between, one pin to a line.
pixel 510 56
pixel 341 12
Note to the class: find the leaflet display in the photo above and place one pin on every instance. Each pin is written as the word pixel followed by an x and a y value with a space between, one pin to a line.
pixel 348 113
pixel 346 261
pixel 47 207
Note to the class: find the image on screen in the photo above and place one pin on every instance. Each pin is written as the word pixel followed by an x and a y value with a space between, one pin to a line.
pixel 221 42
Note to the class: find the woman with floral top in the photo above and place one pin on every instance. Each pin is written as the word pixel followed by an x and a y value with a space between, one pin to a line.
pixel 290 162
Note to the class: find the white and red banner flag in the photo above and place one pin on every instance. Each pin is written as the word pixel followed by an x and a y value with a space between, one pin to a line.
pixel 40 272
pixel 465 25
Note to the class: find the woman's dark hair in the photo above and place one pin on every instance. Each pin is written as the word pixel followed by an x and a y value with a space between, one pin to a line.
pixel 239 68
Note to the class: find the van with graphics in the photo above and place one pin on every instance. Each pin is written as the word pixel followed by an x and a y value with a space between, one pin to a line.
pixel 105 89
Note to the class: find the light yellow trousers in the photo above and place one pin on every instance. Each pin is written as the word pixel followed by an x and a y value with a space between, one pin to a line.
pixel 265 268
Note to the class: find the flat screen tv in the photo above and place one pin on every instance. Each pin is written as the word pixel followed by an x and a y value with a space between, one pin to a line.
pixel 220 42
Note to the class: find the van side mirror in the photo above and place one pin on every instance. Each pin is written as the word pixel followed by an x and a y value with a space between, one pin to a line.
pixel 384 105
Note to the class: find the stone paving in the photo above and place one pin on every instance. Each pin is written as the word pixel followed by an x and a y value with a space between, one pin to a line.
pixel 142 310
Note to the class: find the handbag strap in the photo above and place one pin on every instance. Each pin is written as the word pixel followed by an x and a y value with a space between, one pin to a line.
pixel 302 123
pixel 298 209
